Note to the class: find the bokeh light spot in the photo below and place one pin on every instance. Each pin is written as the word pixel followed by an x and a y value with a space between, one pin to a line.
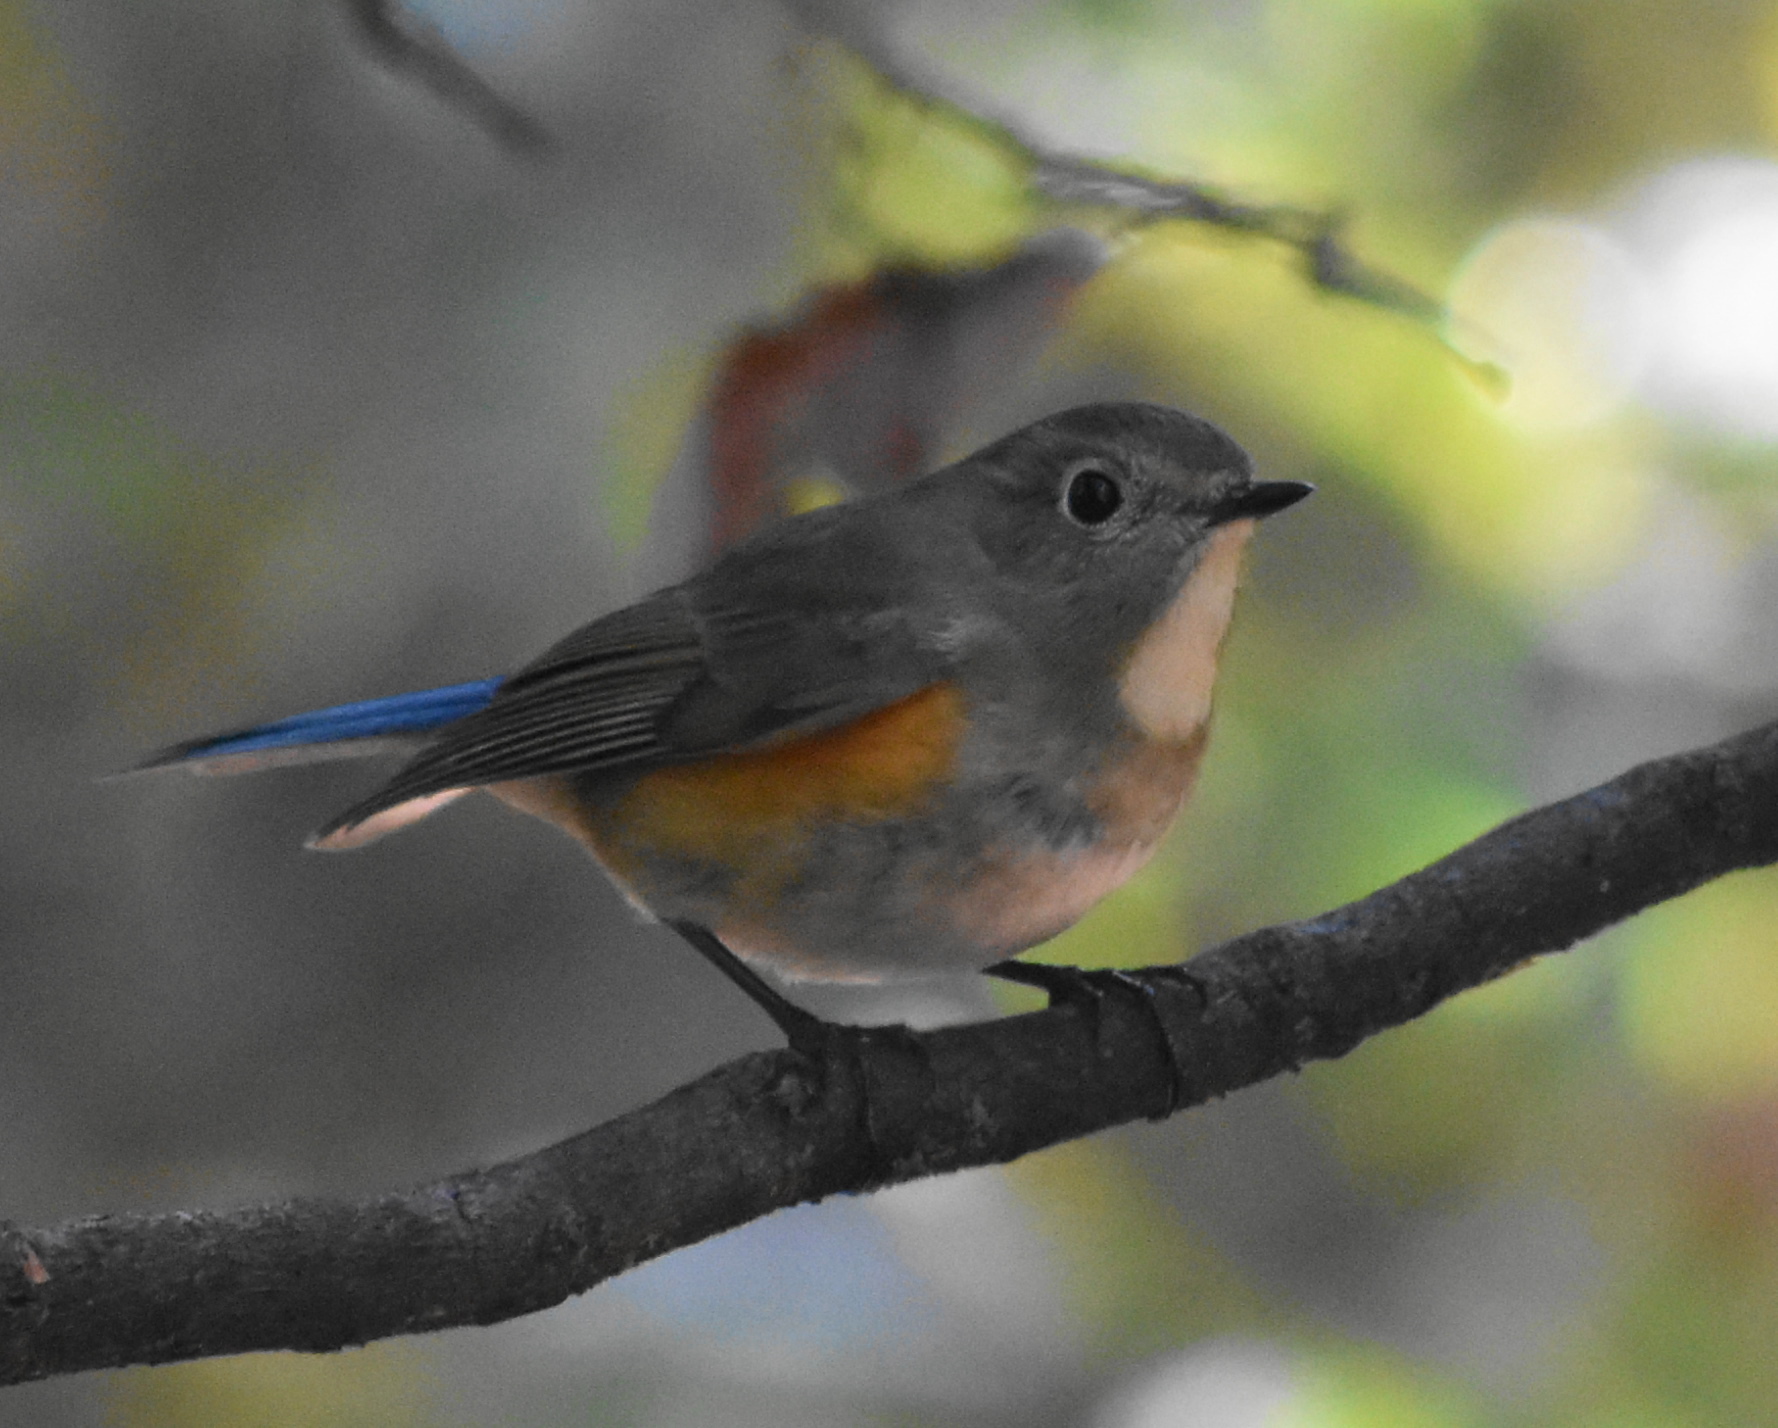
pixel 1724 315
pixel 1564 309
pixel 1708 231
pixel 1700 989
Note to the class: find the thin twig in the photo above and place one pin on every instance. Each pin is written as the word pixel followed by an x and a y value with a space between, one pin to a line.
pixel 1073 179
pixel 403 42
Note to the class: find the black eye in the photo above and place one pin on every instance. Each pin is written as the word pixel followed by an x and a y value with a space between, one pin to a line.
pixel 1092 497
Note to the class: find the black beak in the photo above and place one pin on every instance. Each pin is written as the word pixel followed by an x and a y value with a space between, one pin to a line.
pixel 1261 499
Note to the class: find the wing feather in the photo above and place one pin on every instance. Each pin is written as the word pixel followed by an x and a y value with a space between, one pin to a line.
pixel 727 661
pixel 594 700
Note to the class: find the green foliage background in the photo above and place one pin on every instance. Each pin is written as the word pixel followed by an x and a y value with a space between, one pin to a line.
pixel 1553 1201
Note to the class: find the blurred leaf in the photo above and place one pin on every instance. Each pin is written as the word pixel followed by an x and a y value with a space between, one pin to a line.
pixel 53 159
pixel 1137 1276
pixel 1363 1387
pixel 1440 1105
pixel 1696 1335
pixel 919 184
pixel 1700 988
pixel 652 416
pixel 383 1386
pixel 186 529
pixel 858 389
pixel 69 443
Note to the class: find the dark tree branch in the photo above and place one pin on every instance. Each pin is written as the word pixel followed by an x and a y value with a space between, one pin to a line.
pixel 773 1130
pixel 402 42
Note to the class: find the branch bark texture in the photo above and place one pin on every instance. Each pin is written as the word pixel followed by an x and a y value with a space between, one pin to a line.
pixel 882 1106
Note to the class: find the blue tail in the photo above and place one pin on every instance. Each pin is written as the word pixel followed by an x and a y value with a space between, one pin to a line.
pixel 344 731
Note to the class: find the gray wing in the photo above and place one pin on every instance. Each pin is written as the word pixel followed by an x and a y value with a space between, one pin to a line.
pixel 719 663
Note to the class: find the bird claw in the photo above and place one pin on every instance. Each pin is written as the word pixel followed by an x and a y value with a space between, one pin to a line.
pixel 1089 988
pixel 889 1064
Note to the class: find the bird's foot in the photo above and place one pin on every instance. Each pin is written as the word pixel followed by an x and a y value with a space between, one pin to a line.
pixel 1091 987
pixel 887 1065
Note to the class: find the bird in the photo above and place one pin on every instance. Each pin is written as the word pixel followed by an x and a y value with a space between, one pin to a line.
pixel 915 733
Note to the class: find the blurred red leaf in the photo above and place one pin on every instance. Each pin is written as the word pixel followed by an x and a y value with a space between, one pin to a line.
pixel 862 384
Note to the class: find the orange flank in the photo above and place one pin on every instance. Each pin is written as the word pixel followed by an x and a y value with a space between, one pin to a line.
pixel 745 810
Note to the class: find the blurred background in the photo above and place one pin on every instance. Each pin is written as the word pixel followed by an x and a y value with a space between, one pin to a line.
pixel 311 391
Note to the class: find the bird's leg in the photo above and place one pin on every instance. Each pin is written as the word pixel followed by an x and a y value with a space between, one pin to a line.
pixel 806 1032
pixel 819 1041
pixel 1088 988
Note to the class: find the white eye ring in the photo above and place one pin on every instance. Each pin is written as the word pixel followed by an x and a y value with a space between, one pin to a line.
pixel 1091 495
